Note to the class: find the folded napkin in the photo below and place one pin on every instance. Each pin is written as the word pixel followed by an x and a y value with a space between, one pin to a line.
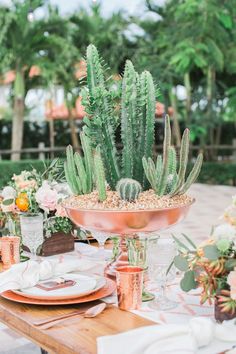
pixel 28 274
pixel 171 338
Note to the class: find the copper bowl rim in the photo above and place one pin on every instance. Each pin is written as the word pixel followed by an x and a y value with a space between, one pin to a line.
pixel 129 210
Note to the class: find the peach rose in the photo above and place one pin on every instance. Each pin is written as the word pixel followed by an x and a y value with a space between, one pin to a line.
pixel 61 212
pixel 231 280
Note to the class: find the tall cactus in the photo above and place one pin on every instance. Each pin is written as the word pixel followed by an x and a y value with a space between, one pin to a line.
pixel 146 123
pixel 137 121
pixel 101 128
pixel 129 120
pixel 99 173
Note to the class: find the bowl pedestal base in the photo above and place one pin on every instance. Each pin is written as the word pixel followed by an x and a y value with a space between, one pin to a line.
pixel 120 261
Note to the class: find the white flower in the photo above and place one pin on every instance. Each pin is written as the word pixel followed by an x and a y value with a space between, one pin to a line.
pixel 224 231
pixel 62 189
pixel 46 197
pixel 8 193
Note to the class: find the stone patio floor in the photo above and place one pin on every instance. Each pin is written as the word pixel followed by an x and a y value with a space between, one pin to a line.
pixel 209 206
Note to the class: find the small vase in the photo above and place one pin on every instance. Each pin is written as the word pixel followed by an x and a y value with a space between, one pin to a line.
pixel 222 316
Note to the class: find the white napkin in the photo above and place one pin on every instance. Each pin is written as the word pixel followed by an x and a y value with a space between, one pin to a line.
pixel 28 274
pixel 169 338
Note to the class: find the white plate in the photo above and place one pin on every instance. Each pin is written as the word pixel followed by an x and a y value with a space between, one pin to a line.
pixel 85 284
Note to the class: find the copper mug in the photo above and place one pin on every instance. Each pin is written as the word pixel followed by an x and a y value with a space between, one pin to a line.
pixel 10 250
pixel 129 287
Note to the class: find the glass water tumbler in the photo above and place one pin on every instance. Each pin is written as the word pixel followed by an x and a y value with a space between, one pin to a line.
pixel 32 231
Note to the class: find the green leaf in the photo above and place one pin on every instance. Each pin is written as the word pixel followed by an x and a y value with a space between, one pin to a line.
pixel 180 244
pixel 190 241
pixel 8 201
pixel 181 263
pixel 226 20
pixel 223 245
pixel 230 264
pixel 188 282
pixel 211 252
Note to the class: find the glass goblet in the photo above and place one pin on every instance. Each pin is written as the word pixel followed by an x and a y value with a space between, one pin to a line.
pixel 159 258
pixel 101 238
pixel 32 232
pixel 137 256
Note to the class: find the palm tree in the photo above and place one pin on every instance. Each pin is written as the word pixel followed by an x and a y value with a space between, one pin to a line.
pixel 24 43
pixel 109 34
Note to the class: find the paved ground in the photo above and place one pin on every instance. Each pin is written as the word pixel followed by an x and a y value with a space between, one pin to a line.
pixel 209 206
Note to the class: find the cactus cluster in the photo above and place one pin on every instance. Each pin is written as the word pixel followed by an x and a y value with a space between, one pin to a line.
pixel 165 176
pixel 82 173
pixel 137 119
pixel 132 169
pixel 128 189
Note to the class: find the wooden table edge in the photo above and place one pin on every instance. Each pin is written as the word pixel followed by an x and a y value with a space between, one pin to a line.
pixel 43 338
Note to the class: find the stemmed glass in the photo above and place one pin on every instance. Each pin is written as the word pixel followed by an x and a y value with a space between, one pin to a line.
pixel 137 256
pixel 101 238
pixel 32 232
pixel 159 258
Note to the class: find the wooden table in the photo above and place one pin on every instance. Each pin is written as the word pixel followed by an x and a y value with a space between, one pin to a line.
pixel 72 336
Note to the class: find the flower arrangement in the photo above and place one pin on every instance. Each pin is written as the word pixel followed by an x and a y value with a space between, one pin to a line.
pixel 31 193
pixel 211 266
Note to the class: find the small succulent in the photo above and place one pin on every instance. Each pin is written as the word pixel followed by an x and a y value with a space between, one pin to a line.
pixel 163 175
pixel 128 189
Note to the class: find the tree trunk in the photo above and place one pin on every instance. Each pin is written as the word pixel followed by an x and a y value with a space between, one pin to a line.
pixel 187 85
pixel 176 127
pixel 18 117
pixel 17 128
pixel 210 95
pixel 73 132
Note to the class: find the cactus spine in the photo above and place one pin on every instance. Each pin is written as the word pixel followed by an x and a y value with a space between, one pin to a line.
pixel 102 125
pixel 99 173
pixel 163 176
pixel 128 189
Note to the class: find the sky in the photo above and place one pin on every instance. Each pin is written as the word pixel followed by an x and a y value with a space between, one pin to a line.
pixel 108 6
pixel 132 7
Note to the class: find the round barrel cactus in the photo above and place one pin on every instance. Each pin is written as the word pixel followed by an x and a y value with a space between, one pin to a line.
pixel 128 189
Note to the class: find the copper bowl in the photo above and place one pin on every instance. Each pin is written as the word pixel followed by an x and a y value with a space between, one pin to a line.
pixel 127 221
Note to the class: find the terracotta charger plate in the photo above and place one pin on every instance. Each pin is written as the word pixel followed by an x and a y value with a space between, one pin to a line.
pixel 107 290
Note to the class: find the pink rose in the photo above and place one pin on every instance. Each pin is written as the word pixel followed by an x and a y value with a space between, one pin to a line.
pixel 46 197
pixel 61 212
pixel 231 280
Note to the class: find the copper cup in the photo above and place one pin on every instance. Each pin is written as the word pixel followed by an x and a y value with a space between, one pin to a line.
pixel 10 250
pixel 129 287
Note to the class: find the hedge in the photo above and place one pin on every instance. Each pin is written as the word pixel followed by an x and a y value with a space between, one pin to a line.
pixel 9 168
pixel 211 173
